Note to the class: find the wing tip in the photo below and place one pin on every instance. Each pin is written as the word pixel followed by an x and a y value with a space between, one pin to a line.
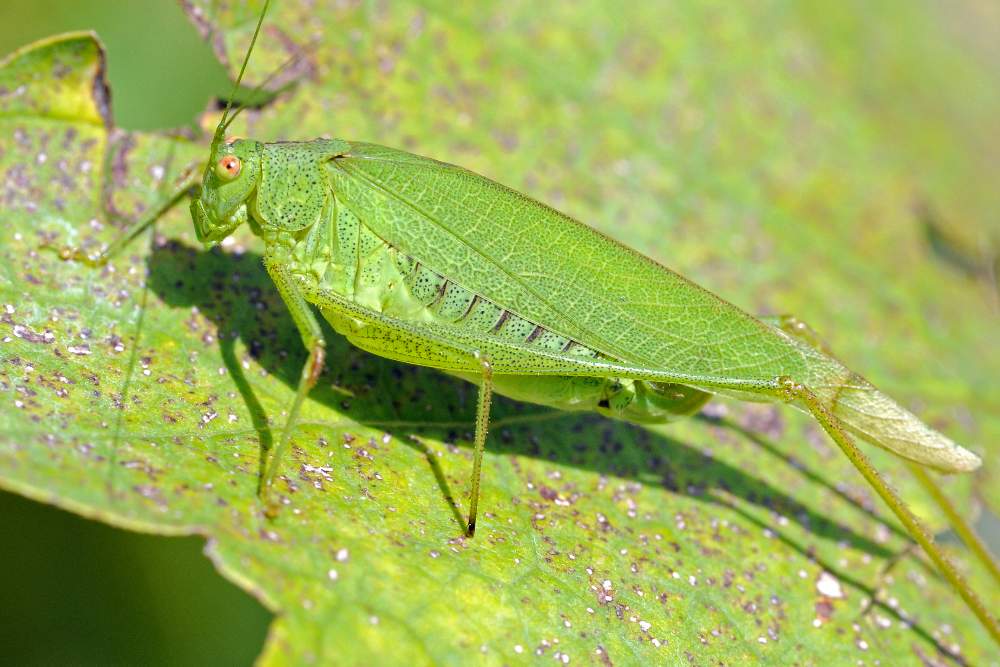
pixel 942 453
pixel 961 460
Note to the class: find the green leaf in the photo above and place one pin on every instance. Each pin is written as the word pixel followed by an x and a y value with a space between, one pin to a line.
pixel 142 393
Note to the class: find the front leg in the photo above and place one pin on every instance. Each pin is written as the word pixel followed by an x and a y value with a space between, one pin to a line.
pixel 178 191
pixel 312 338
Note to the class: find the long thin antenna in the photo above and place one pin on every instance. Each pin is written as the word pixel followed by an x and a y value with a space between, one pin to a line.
pixel 229 104
pixel 270 77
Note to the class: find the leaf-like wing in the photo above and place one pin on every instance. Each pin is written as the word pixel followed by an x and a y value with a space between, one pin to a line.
pixel 557 272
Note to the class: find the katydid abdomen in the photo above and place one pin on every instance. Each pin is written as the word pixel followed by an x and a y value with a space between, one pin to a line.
pixel 340 254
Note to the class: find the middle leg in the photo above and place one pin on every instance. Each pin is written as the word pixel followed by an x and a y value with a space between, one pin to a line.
pixel 312 338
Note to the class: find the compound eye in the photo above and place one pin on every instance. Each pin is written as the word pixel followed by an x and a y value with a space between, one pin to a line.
pixel 228 167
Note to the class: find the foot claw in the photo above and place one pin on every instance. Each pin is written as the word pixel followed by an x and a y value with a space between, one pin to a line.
pixel 68 254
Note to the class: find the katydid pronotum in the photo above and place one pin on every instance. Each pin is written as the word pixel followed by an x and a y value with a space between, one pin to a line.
pixel 427 263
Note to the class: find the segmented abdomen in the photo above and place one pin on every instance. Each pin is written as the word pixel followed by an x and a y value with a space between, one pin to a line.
pixel 456 305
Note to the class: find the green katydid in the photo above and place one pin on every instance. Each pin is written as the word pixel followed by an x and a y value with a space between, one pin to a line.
pixel 427 263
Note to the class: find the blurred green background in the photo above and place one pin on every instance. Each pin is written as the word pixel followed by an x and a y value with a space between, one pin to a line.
pixel 75 591
pixel 151 89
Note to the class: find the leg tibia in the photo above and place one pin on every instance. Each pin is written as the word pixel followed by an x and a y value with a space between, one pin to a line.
pixel 312 338
pixel 133 230
pixel 913 526
pixel 482 426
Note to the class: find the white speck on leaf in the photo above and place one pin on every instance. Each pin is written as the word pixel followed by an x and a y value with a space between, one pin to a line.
pixel 829 586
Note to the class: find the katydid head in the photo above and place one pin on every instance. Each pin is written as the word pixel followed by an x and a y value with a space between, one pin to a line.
pixel 229 183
